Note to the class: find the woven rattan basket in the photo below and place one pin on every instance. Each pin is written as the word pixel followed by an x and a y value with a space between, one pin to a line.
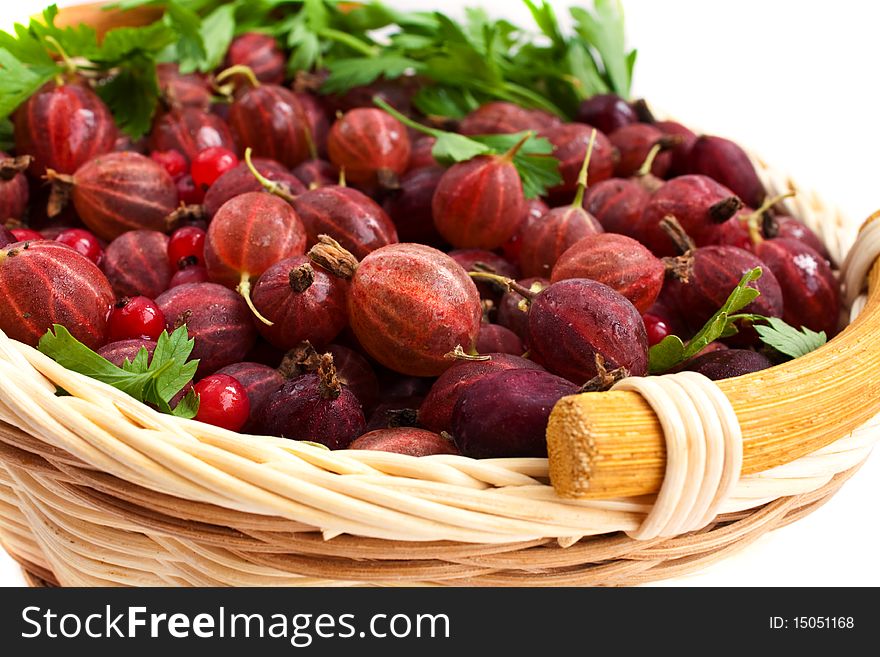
pixel 98 489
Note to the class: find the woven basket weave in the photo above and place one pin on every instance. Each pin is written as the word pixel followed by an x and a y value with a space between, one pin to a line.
pixel 97 489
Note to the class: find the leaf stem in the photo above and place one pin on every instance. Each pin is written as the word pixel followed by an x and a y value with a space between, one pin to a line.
pixel 348 40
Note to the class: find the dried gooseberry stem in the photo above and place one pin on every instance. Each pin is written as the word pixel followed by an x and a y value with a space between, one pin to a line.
pixel 270 186
pixel 725 209
pixel 680 267
pixel 758 221
pixel 238 69
pixel 604 378
pixel 329 254
pixel 329 386
pixel 185 214
pixel 59 195
pixel 388 179
pixel 301 277
pixel 507 283
pixel 301 359
pixel 460 354
pixel 677 234
pixel 12 166
pixel 244 289
pixel 582 175
pixel 643 111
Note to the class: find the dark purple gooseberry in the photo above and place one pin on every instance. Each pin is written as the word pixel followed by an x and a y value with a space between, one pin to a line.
pixel 239 180
pixel 355 372
pixel 397 412
pixel 607 112
pixel 409 206
pixel 570 141
pixel 315 407
pixel 572 322
pixel 634 143
pixel 713 273
pixel 435 412
pixel 400 386
pixel 183 90
pixel 680 152
pixel 510 313
pixel 534 210
pixel 189 131
pixel 302 302
pixel 494 338
pixel 259 381
pixel 727 163
pixel 421 155
pixel 260 53
pixel 809 288
pixel 136 264
pixel 791 228
pixel 501 117
pixel 727 363
pixel 350 217
pixel 217 319
pixel 405 440
pixel 505 414
pixel 699 203
pixel 553 235
pixel 617 203
pixel 317 173
pixel 13 188
pixel 480 260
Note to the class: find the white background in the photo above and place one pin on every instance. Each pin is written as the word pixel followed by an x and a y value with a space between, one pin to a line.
pixel 796 81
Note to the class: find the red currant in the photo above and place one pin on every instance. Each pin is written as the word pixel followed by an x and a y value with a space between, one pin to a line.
pixel 187 247
pixel 656 327
pixel 187 191
pixel 194 274
pixel 223 402
pixel 210 164
pixel 26 235
pixel 83 242
pixel 135 318
pixel 173 162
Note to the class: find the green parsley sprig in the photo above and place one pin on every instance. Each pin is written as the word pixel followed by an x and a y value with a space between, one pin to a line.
pixel 154 381
pixel 538 169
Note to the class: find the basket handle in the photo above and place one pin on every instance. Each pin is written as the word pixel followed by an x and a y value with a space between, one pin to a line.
pixel 611 444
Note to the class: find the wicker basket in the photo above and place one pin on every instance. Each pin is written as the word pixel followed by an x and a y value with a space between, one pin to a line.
pixel 98 489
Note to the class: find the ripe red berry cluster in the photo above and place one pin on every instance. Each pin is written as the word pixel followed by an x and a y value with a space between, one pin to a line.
pixel 343 287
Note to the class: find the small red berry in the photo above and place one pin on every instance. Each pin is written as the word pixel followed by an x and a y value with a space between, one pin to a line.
pixel 83 242
pixel 187 247
pixel 172 160
pixel 656 327
pixel 210 164
pixel 194 274
pixel 188 192
pixel 135 318
pixel 26 234
pixel 223 402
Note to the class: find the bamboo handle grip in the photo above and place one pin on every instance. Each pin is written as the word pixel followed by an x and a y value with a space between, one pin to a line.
pixel 610 444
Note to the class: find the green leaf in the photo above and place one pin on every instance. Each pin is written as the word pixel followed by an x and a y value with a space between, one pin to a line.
pixel 355 72
pixel 191 49
pixel 132 95
pixel 217 30
pixel 155 381
pixel 538 170
pixel 123 42
pixel 788 340
pixel 19 82
pixel 719 325
pixel 666 354
pixel 546 19
pixel 187 407
pixel 445 102
pixel 603 30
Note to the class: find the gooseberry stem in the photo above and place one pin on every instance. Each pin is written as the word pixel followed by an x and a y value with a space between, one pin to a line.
pixel 582 176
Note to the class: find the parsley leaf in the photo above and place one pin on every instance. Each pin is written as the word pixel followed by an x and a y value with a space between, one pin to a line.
pixel 672 350
pixel 538 169
pixel 603 30
pixel 355 72
pixel 788 340
pixel 216 32
pixel 19 82
pixel 155 382
pixel 132 95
